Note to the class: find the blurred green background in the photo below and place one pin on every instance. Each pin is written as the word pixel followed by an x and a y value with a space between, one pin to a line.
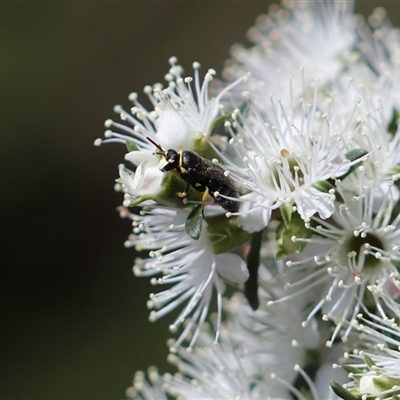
pixel 73 318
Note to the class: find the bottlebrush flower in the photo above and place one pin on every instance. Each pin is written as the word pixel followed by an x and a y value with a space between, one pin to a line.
pixel 183 118
pixel 190 266
pixel 303 39
pixel 284 153
pixel 259 354
pixel 355 255
pixel 150 389
pixel 312 149
pixel 374 365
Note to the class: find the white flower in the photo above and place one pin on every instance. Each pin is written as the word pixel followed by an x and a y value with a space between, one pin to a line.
pixel 213 370
pixel 379 45
pixel 147 178
pixel 258 356
pixel 144 390
pixel 181 115
pixel 302 39
pixel 384 146
pixel 281 156
pixel 355 256
pixel 376 366
pixel 312 144
pixel 189 265
pixel 271 339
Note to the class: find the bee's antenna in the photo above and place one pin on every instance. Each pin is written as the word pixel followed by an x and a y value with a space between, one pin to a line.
pixel 156 144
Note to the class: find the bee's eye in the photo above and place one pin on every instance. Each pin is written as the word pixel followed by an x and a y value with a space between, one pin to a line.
pixel 170 161
pixel 171 156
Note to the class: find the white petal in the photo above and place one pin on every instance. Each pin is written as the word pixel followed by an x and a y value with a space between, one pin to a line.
pixel 138 157
pixel 146 180
pixel 254 218
pixel 367 385
pixel 173 131
pixel 232 267
pixel 313 201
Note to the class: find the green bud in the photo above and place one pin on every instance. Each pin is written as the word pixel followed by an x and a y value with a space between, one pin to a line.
pixel 384 383
pixel 203 148
pixel 285 232
pixel 286 210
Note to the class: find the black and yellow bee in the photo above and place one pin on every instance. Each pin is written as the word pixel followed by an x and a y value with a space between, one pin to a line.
pixel 202 174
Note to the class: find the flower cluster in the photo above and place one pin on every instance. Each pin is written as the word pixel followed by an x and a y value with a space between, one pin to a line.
pixel 282 182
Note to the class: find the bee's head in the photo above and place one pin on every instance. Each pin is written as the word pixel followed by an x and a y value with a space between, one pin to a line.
pixel 170 160
pixel 171 157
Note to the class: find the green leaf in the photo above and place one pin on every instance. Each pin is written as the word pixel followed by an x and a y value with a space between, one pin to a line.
pixel 253 262
pixel 370 363
pixel 353 370
pixel 194 222
pixel 131 146
pixel 342 392
pixel 353 155
pixel 296 228
pixel 220 120
pixel 245 108
pixel 325 187
pixel 394 123
pixel 226 233
pixel 286 212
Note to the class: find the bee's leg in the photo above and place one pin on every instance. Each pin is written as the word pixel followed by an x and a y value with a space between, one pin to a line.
pixel 205 196
pixel 184 194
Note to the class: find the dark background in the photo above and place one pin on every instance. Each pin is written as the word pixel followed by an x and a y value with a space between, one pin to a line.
pixel 73 318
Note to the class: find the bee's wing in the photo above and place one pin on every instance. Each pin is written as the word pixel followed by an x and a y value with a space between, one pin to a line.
pixel 216 172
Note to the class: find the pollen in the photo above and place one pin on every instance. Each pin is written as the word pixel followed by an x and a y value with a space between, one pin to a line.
pixel 285 153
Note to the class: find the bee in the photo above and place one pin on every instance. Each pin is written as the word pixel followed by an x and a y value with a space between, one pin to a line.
pixel 202 174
